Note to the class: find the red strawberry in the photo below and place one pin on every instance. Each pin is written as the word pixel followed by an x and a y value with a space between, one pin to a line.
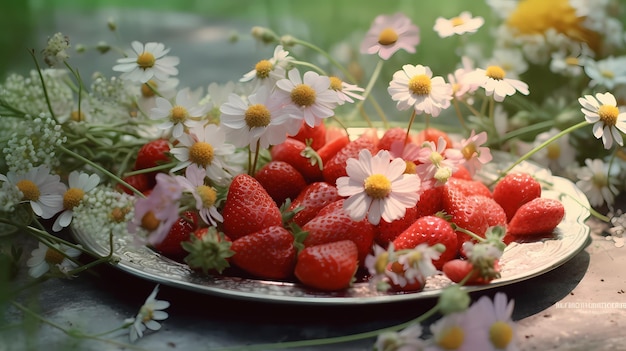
pixel 332 146
pixel 386 232
pixel 538 216
pixel 268 253
pixel 312 199
pixel 514 190
pixel 336 166
pixel 433 134
pixel 391 136
pixel 152 154
pixel 430 201
pixel 429 230
pixel 466 213
pixel 468 187
pixel 493 211
pixel 337 225
pixel 290 151
pixel 409 286
pixel 248 208
pixel 458 269
pixel 316 135
pixel 209 250
pixel 281 181
pixel 181 231
pixel 462 173
pixel 141 181
pixel 329 266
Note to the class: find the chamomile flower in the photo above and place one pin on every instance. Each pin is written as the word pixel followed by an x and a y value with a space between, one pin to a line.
pixel 184 114
pixel 345 91
pixel 457 331
pixel 44 191
pixel 608 72
pixel 146 62
pixel 474 154
pixel 105 210
pixel 415 86
pixel 437 162
pixel 461 24
pixel 608 122
pixel 595 181
pixel 205 196
pixel 389 34
pixel 417 265
pixel 310 94
pixel 377 187
pixel 43 258
pixel 147 93
pixel 557 155
pixel 268 72
pixel 494 81
pixel 149 316
pixel 206 147
pixel 496 317
pixel 462 87
pixel 261 120
pixel 79 185
pixel 408 339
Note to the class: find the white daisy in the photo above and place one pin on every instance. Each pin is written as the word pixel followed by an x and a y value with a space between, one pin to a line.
pixel 414 86
pixel 205 196
pixel 147 93
pixel 146 62
pixel 262 118
pixel 461 85
pixel 417 264
pixel 345 91
pixel 494 82
pixel 458 331
pixel 474 154
pixel 608 122
pixel 557 155
pixel 463 23
pixel 407 339
pixel 376 186
pixel 206 147
pixel 608 72
pixel 510 60
pixel 44 191
pixel 149 314
pixel 389 34
pixel 311 95
pixel 595 182
pixel 79 184
pixel 44 257
pixel 185 113
pixel 495 316
pixel 267 72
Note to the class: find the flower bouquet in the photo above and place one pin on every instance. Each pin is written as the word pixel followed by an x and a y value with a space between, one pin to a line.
pixel 267 177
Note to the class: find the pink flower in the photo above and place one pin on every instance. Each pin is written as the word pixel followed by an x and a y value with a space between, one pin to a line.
pixel 437 163
pixel 475 155
pixel 389 34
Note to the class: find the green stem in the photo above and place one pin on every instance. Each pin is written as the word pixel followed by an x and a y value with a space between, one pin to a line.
pixel 328 57
pixel 310 65
pixel 408 129
pixel 368 90
pixel 528 129
pixel 43 86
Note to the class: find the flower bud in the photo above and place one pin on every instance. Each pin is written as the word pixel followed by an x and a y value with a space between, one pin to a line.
pixel 453 299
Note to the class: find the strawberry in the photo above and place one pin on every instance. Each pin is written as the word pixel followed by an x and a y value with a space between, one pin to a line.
pixel 329 266
pixel 462 173
pixel 412 285
pixel 429 230
pixel 335 225
pixel 494 213
pixel 386 232
pixel 336 166
pixel 466 213
pixel 458 269
pixel 538 216
pixel 514 190
pixel 391 136
pixel 430 201
pixel 332 146
pixel 152 154
pixel 468 187
pixel 140 181
pixel 433 134
pixel 281 180
pixel 180 231
pixel 291 151
pixel 209 250
pixel 312 199
pixel 316 135
pixel 269 253
pixel 248 208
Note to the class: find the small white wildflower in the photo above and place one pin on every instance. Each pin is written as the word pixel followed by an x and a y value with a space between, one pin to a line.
pixel 149 314
pixel 44 257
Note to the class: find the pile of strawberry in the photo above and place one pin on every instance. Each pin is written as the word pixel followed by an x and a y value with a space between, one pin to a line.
pixel 287 221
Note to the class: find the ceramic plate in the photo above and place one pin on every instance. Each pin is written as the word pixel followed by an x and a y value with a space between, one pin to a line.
pixel 519 262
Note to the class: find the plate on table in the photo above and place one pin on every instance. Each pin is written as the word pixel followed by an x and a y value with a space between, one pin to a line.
pixel 520 261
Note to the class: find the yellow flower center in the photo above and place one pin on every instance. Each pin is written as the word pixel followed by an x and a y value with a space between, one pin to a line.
pixel 72 198
pixel 410 167
pixel 201 153
pixel 118 215
pixel 435 158
pixel 443 174
pixel 263 69
pixel 500 334
pixel 537 16
pixel 257 116
pixel 608 114
pixel 149 221
pixel 207 194
pixel 147 89
pixel 452 338
pixel 469 150
pixel 457 21
pixel 554 151
pixel 420 84
pixel 336 83
pixel 381 262
pixel 303 95
pixel 377 186
pixel 146 313
pixel 178 114
pixel 572 61
pixel 77 116
pixel 387 36
pixel 145 60
pixel 495 72
pixel 29 190
pixel 54 256
pixel 607 74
